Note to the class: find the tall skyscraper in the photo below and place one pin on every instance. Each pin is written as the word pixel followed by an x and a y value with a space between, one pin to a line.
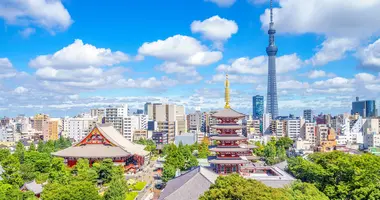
pixel 365 108
pixel 272 104
pixel 257 106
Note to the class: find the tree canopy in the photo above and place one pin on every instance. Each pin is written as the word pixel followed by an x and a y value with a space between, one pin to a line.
pixel 234 186
pixel 340 175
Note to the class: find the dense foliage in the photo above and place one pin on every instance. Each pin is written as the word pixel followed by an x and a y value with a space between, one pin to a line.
pixel 236 187
pixel 274 151
pixel 340 175
pixel 150 145
pixel 180 157
pixel 60 181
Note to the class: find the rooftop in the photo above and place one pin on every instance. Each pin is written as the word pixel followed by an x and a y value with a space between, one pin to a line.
pixel 91 151
pixel 189 186
pixel 33 186
pixel 228 112
pixel 229 149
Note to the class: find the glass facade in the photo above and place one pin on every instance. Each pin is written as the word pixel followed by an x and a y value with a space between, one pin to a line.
pixel 258 107
pixel 364 108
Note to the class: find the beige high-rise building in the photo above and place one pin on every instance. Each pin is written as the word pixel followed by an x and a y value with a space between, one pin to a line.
pixel 278 128
pixel 308 133
pixel 170 118
pixel 41 123
pixel 53 129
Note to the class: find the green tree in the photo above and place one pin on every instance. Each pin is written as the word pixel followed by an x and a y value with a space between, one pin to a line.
pixel 4 153
pixel 168 173
pixel 236 187
pixel 259 151
pixel 83 171
pixel 40 146
pixel 12 175
pixel 32 147
pixel 78 190
pixel 306 191
pixel 339 175
pixel 20 152
pixel 285 142
pixel 27 171
pixel 117 189
pixel 8 191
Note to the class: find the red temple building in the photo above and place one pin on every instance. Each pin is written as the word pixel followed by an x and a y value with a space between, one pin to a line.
pixel 232 150
pixel 103 142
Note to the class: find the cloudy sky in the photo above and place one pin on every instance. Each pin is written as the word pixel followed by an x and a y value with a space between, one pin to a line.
pixel 62 57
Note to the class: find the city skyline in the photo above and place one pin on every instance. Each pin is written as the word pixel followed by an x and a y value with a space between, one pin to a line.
pixel 126 57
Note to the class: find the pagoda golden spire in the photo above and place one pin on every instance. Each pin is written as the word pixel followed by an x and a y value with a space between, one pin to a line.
pixel 227 93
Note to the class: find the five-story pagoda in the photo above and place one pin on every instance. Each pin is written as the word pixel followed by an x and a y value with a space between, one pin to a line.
pixel 232 149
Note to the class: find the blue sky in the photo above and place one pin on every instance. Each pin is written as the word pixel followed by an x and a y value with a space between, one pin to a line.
pixel 65 57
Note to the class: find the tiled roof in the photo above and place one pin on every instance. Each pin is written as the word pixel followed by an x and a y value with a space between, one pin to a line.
pixel 91 151
pixel 234 126
pixel 228 138
pixel 228 149
pixel 189 186
pixel 228 112
pixel 228 161
pixel 115 137
pixel 33 186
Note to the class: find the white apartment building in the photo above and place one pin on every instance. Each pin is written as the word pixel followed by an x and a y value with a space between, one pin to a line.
pixel 78 128
pixel 293 128
pixel 7 134
pixel 115 116
pixel 267 120
pixel 371 129
pixel 352 130
pixel 133 123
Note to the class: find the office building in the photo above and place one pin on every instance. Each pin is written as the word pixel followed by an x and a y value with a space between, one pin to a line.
pixel 198 121
pixel 278 128
pixel 257 107
pixel 308 115
pixel 160 138
pixel 366 108
pixel 308 132
pixel 170 118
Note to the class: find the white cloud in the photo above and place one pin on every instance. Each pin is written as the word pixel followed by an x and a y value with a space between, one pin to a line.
pixel 222 3
pixel 48 14
pixel 233 78
pixel 27 32
pixel 79 55
pixel 5 63
pixel 319 74
pixel 333 49
pixel 215 29
pixel 337 82
pixel 259 65
pixel 338 18
pixel 181 49
pixel 171 67
pixel 6 68
pixel 370 55
pixel 292 84
pixel 20 90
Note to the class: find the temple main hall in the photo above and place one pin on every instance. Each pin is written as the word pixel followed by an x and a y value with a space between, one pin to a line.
pixel 103 142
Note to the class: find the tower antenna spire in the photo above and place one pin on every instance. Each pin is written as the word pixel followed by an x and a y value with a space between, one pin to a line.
pixel 271 12
pixel 227 93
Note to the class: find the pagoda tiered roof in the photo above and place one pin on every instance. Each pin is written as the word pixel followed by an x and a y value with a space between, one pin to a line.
pixel 228 113
pixel 228 138
pixel 228 161
pixel 229 149
pixel 227 126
